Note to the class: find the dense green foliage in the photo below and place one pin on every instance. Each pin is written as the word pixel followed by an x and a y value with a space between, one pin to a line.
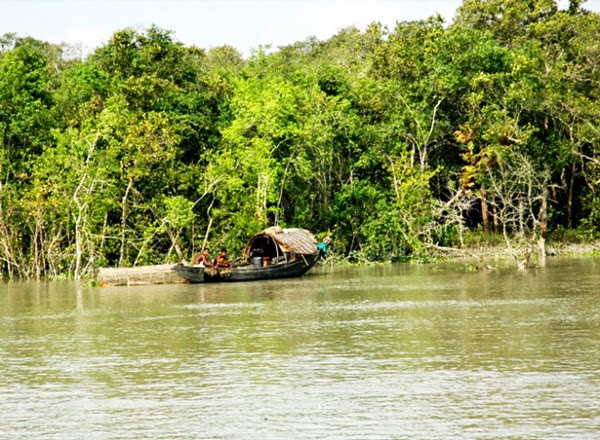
pixel 393 141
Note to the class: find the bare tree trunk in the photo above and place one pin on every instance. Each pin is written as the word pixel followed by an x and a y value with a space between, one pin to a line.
pixel 36 267
pixel 91 266
pixel 7 255
pixel 543 216
pixel 80 221
pixel 495 217
pixel 570 197
pixel 281 188
pixel 519 192
pixel 35 246
pixel 174 245
pixel 484 210
pixel 124 214
pixel 78 234
pixel 53 252
pixel 206 235
pixel 104 231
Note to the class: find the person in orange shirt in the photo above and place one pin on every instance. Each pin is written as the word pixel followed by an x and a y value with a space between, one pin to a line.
pixel 222 260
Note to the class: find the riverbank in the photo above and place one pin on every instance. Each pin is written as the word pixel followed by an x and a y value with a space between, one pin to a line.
pixel 484 252
pixel 493 257
pixel 480 253
pixel 591 248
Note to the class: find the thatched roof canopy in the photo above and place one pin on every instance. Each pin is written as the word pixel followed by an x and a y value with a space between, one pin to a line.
pixel 295 241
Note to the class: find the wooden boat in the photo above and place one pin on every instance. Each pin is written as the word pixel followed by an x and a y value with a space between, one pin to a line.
pixel 272 253
pixel 138 276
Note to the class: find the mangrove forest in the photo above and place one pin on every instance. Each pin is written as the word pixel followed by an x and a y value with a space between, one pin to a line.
pixel 397 143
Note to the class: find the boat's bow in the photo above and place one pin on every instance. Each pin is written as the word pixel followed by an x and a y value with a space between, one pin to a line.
pixel 194 274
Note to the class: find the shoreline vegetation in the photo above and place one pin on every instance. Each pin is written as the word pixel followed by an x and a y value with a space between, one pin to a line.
pixel 484 256
pixel 402 144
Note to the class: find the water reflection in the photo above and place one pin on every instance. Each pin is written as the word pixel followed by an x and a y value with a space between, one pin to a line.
pixel 384 352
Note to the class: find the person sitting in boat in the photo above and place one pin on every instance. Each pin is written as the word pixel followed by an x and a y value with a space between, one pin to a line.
pixel 222 261
pixel 203 259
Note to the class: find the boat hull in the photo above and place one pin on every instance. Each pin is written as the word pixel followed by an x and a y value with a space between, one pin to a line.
pixel 291 269
pixel 192 274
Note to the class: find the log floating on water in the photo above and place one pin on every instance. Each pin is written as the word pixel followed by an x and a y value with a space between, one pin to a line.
pixel 139 276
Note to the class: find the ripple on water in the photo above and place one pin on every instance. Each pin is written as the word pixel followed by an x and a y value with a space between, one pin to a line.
pixel 419 355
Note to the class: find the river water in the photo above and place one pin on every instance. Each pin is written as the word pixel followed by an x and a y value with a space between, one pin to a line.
pixel 391 352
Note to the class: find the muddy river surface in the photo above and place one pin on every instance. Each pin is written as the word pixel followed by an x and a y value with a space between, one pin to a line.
pixel 386 352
